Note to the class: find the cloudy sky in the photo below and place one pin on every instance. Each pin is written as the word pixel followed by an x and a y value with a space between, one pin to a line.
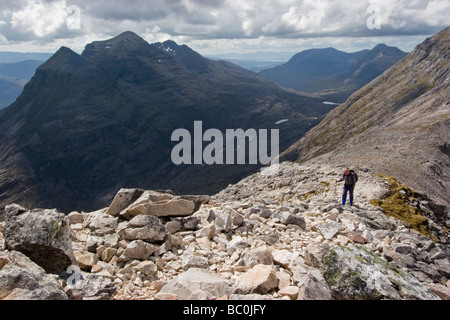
pixel 222 26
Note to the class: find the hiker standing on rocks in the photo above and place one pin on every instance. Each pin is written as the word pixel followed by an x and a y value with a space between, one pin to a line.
pixel 350 178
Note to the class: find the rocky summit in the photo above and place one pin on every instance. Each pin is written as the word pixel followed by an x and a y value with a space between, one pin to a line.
pixel 280 234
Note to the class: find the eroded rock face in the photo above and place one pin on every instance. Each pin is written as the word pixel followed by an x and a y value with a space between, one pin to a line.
pixel 42 235
pixel 354 273
pixel 22 279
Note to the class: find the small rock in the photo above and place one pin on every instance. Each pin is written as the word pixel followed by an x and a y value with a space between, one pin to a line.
pixel 289 291
pixel 315 287
pixel 237 242
pixel 261 255
pixel 282 257
pixel 86 260
pixel 75 217
pixel 356 238
pixel 147 268
pixel 288 218
pixel 165 296
pixel 329 230
pixel 260 279
pixel 137 249
pixel 193 261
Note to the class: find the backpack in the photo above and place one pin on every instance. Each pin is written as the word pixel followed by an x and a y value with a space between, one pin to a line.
pixel 354 175
pixel 352 179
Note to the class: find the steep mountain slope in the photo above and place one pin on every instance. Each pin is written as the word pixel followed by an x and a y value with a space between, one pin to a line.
pixel 399 124
pixel 333 74
pixel 87 125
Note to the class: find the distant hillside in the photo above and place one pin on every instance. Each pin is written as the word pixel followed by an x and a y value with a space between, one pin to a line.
pixel 13 57
pixel 333 74
pixel 13 77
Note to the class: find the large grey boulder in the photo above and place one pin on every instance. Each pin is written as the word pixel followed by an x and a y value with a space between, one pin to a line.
pixel 189 285
pixel 129 203
pixel 159 204
pixel 146 228
pixel 42 235
pixel 22 279
pixel 354 273
pixel 122 200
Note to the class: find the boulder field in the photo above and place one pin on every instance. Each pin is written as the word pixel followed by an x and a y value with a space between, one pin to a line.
pixel 279 234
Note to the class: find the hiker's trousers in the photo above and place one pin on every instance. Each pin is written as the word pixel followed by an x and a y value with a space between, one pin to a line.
pixel 348 188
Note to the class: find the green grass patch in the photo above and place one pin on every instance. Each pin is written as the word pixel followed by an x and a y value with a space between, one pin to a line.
pixel 395 203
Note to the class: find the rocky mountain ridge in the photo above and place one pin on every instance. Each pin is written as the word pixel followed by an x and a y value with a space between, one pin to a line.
pixel 333 74
pixel 278 235
pixel 87 125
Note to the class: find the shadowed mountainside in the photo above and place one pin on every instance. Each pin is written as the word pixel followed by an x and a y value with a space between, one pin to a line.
pixel 87 125
pixel 332 74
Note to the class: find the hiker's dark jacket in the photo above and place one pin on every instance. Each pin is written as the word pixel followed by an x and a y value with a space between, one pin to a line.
pixel 349 180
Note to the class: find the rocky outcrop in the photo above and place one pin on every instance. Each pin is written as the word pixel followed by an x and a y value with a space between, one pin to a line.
pixel 42 235
pixel 274 236
pixel 282 235
pixel 22 279
pixel 354 273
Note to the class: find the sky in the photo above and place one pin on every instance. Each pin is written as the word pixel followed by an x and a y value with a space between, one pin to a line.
pixel 221 27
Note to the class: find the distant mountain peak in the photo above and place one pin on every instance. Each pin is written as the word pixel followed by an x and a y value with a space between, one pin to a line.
pixel 64 58
pixel 191 59
pixel 126 40
pixel 127 35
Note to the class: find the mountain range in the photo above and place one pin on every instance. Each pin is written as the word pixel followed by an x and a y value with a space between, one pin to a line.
pixel 398 124
pixel 87 125
pixel 333 74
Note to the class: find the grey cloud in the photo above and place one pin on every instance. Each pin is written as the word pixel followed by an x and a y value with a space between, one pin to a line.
pixel 231 19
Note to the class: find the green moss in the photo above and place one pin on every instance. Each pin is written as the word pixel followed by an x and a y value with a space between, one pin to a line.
pixel 395 204
pixel 324 187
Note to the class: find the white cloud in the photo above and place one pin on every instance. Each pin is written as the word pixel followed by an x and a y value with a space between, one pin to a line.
pixel 264 24
pixel 39 18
